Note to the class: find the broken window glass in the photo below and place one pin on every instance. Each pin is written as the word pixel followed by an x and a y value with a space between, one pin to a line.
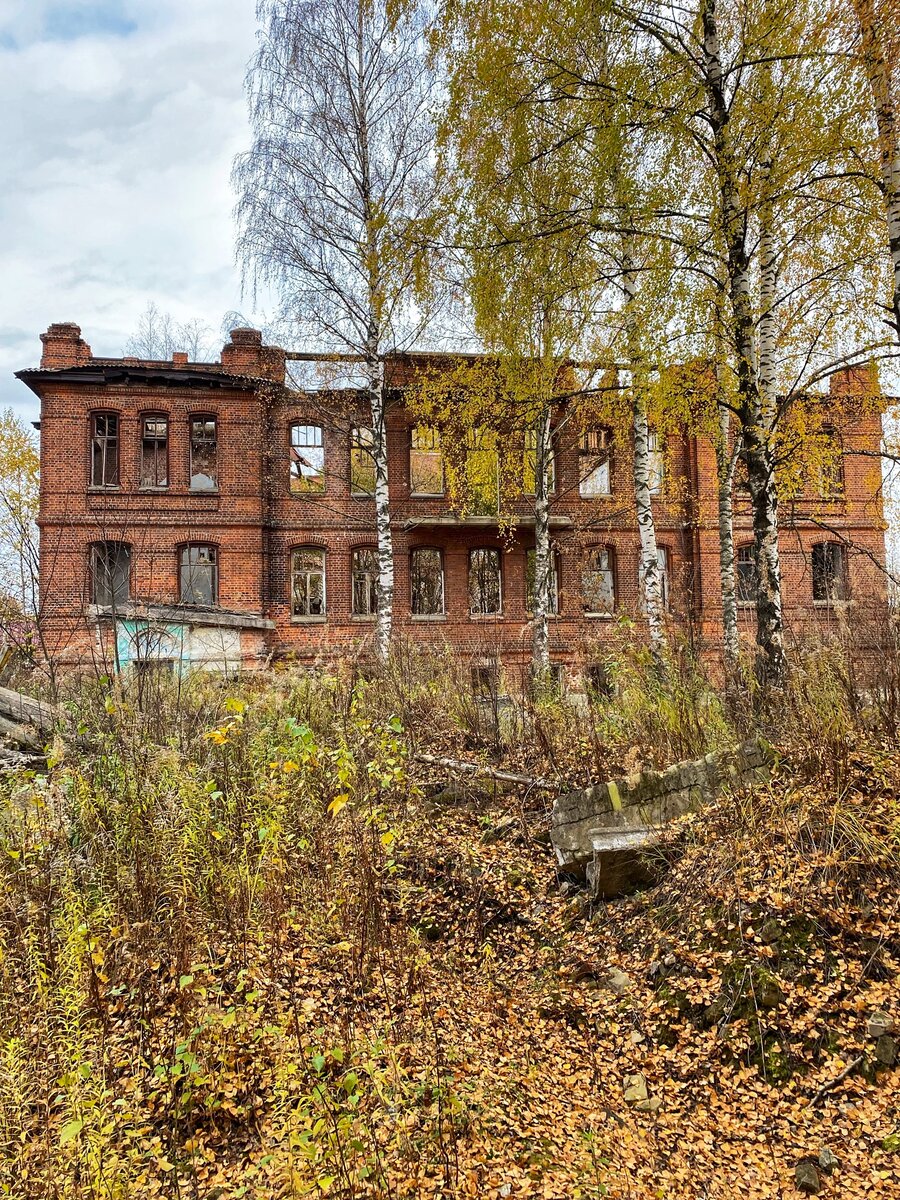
pixel 111 573
pixel 204 452
pixel 308 582
pixel 105 450
pixel 364 569
pixel 307 459
pixel 530 568
pixel 745 578
pixel 595 463
pixel 484 581
pixel 426 466
pixel 362 461
pixel 427 582
pixel 598 590
pixel 199 575
pixel 829 572
pixel 154 452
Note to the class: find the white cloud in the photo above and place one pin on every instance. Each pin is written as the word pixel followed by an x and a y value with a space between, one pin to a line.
pixel 123 119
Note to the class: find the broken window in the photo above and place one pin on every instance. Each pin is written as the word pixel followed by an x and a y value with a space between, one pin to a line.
pixel 598 588
pixel 656 463
pixel 829 572
pixel 482 473
pixel 530 577
pixel 362 461
pixel 746 582
pixel 111 573
pixel 595 463
pixel 364 571
pixel 529 465
pixel 484 581
pixel 485 681
pixel 154 451
pixel 199 583
pixel 104 450
pixel 827 463
pixel 426 466
pixel 307 459
pixel 204 453
pixel 599 680
pixel 426 582
pixel 308 582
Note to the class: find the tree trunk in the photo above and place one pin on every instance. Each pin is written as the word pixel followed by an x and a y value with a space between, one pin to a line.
pixel 756 449
pixel 649 574
pixel 878 71
pixel 543 553
pixel 385 589
pixel 725 464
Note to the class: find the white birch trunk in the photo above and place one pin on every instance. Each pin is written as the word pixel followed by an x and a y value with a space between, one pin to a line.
pixel 878 72
pixel 384 541
pixel 543 560
pixel 725 463
pixel 648 569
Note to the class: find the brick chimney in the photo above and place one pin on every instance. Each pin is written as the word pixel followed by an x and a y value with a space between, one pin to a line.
pixel 855 381
pixel 179 356
pixel 64 346
pixel 246 355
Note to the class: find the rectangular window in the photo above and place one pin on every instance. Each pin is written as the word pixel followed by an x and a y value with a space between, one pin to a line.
pixel 598 588
pixel 426 465
pixel 529 465
pixel 745 580
pixel 530 567
pixel 656 463
pixel 362 461
pixel 204 454
pixel 483 473
pixel 104 450
pixel 364 570
pixel 829 573
pixel 828 463
pixel 307 459
pixel 485 682
pixel 199 575
pixel 154 452
pixel 426 571
pixel 484 581
pixel 111 573
pixel 595 463
pixel 308 582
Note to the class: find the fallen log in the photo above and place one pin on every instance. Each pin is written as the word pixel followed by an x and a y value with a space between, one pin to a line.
pixel 25 710
pixel 456 764
pixel 21 735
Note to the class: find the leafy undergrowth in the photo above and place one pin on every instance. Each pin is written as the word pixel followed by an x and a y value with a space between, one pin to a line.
pixel 267 962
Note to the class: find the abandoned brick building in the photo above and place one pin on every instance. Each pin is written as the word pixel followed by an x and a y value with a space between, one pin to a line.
pixel 206 513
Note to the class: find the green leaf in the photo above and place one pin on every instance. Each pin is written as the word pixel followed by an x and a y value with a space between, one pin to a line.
pixel 70 1130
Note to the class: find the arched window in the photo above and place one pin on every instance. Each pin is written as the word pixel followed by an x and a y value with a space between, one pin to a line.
pixel 484 581
pixel 426 582
pixel 746 580
pixel 364 581
pixel 829 573
pixel 199 575
pixel 598 584
pixel 104 450
pixel 307 458
pixel 308 582
pixel 110 573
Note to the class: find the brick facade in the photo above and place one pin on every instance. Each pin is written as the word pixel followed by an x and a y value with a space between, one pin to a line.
pixel 254 521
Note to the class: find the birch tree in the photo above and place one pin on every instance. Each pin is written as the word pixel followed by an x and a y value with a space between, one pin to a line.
pixel 337 179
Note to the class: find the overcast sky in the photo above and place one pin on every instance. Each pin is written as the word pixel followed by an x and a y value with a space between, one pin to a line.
pixel 121 119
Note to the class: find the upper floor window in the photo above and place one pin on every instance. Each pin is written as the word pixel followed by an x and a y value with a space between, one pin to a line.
pixel 656 463
pixel 529 465
pixel 531 579
pixel 308 582
pixel 204 454
pixel 483 472
pixel 104 450
pixel 827 467
pixel 154 451
pixel 829 572
pixel 307 459
pixel 110 572
pixel 426 465
pixel 199 575
pixel 598 584
pixel 595 463
pixel 364 580
pixel 745 578
pixel 362 461
pixel 484 581
pixel 426 582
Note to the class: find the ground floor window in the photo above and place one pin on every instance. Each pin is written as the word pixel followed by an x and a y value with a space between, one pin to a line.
pixel 308 582
pixel 829 572
pixel 598 588
pixel 199 582
pixel 426 570
pixel 364 571
pixel 110 573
